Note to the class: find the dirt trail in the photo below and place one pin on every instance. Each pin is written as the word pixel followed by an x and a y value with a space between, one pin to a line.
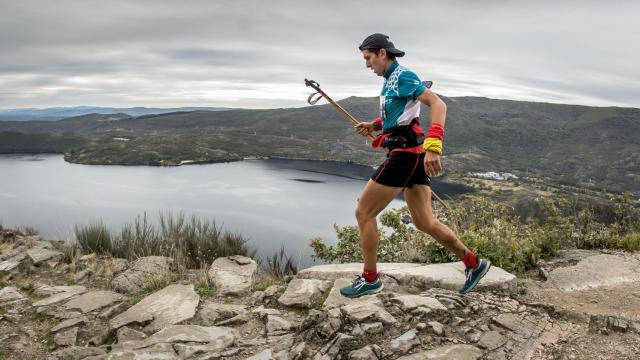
pixel 581 336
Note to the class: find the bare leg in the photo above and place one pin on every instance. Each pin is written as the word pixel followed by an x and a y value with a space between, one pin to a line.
pixel 373 200
pixel 419 201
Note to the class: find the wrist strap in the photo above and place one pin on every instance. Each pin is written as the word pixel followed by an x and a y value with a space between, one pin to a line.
pixel 433 145
pixel 436 131
pixel 377 124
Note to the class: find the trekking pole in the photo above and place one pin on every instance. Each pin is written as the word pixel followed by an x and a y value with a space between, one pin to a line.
pixel 313 99
pixel 322 94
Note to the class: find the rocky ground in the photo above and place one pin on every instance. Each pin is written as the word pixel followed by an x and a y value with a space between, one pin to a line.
pixel 59 305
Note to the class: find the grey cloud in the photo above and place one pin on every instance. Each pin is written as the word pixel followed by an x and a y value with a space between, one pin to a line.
pixel 230 53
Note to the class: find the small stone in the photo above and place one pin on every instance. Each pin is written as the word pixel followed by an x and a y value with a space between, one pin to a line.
pixel 405 342
pixel 367 311
pixel 277 325
pixel 421 326
pixel 69 323
pixel 333 347
pixel 329 327
pixel 233 275
pixel 447 352
pixel 83 276
pixel 300 351
pixel 236 320
pixel 125 334
pixel 369 352
pixel 263 312
pixel 304 292
pixel 437 328
pixel 211 313
pixel 372 328
pixel 492 340
pixel 357 330
pixel 10 294
pixel 66 338
pixel 410 302
pixel 263 355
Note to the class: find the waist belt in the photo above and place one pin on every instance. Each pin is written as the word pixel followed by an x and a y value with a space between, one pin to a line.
pixel 400 137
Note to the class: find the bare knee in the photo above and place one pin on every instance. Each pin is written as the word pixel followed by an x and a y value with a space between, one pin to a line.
pixel 363 215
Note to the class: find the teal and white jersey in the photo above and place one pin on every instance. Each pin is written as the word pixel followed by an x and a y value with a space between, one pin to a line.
pixel 398 99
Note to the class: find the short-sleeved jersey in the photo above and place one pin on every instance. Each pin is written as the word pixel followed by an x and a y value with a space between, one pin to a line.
pixel 398 99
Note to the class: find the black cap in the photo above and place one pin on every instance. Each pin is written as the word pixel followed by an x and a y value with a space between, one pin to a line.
pixel 380 41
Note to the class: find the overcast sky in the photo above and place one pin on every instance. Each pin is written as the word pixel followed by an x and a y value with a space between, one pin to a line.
pixel 256 54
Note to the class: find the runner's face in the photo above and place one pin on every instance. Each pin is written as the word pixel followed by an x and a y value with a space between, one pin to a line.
pixel 374 62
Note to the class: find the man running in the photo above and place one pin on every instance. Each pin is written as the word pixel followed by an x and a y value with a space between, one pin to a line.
pixel 409 163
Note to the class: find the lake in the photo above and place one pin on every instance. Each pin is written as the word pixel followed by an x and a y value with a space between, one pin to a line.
pixel 271 202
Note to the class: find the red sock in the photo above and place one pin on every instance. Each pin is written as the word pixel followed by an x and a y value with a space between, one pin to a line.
pixel 470 260
pixel 370 275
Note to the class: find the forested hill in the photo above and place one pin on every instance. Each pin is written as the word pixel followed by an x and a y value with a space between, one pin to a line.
pixel 579 145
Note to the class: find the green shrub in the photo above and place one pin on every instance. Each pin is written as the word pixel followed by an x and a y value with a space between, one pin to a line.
pixel 496 231
pixel 280 265
pixel 192 243
pixel 94 238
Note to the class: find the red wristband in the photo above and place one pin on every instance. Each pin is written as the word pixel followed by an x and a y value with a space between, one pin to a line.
pixel 436 131
pixel 378 122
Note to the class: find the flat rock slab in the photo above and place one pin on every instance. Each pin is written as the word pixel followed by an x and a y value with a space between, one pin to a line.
pixel 12 263
pixel 447 275
pixel 447 352
pixel 335 299
pixel 141 272
pixel 217 337
pixel 210 312
pixel 70 323
pixel 41 254
pixel 595 271
pixel 233 275
pixel 161 351
pixel 169 306
pixel 77 352
pixel 70 291
pixel 367 311
pixel 304 292
pixel 47 290
pixel 10 294
pixel 93 300
pixel 410 302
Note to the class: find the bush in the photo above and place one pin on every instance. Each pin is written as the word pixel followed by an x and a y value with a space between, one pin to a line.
pixel 94 238
pixel 280 265
pixel 192 243
pixel 496 231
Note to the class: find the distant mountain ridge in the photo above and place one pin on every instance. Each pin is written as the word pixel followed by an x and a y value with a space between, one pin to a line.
pixel 57 113
pixel 596 147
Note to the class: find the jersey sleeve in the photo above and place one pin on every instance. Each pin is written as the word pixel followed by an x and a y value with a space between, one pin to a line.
pixel 409 85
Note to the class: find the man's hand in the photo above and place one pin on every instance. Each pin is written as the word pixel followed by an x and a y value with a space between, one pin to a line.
pixel 364 128
pixel 432 163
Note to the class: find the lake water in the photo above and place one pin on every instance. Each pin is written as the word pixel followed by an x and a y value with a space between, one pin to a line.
pixel 271 202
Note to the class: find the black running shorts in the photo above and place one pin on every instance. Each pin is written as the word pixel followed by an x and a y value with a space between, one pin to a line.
pixel 402 169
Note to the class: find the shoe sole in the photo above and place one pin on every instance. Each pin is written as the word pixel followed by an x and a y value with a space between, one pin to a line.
pixel 479 278
pixel 368 292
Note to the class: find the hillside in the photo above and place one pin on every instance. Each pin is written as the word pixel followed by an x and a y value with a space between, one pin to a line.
pixel 578 145
pixel 57 113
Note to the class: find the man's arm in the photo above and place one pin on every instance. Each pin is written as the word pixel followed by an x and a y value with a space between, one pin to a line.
pixel 437 106
pixel 438 114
